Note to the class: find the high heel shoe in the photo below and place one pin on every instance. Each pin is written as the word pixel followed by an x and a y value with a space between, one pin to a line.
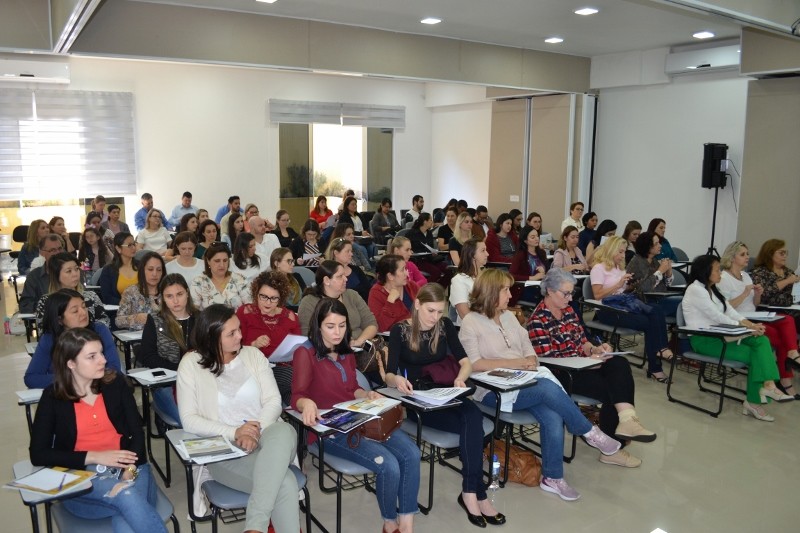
pixel 775 394
pixel 664 379
pixel 474 519
pixel 664 356
pixel 784 390
pixel 792 364
pixel 748 409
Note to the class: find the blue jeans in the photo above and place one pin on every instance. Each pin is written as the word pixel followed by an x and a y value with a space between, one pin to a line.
pixel 165 400
pixel 654 327
pixel 396 463
pixel 553 409
pixel 133 509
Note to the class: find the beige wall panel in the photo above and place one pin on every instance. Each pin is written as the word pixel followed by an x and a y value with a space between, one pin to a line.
pixel 557 72
pixel 507 156
pixel 549 144
pixel 480 62
pixel 25 25
pixel 770 186
pixel 768 52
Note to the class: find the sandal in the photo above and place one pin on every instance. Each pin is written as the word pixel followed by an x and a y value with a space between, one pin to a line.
pixel 663 379
pixel 792 363
pixel 664 356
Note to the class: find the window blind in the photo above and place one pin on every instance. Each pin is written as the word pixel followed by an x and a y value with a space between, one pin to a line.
pixel 56 144
pixel 300 112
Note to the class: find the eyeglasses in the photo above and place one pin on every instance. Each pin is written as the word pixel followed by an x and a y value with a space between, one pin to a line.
pixel 54 250
pixel 265 298
pixel 130 245
pixel 565 294
pixel 290 261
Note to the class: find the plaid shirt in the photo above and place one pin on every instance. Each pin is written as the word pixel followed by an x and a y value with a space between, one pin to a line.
pixel 556 338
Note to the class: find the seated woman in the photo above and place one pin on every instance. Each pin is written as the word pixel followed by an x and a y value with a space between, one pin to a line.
pixel 139 300
pixel 516 222
pixel 188 222
pixel 218 285
pixel 202 216
pixel 37 230
pixel 361 255
pixel 87 419
pixel 402 246
pixel 428 338
pixel 207 234
pixel 493 338
pixel 282 230
pixel 775 277
pixel 154 237
pixel 307 245
pixel 703 306
pixel 234 229
pixel 555 331
pixel 57 226
pixel 114 224
pixel 121 272
pixel 391 298
pixel 607 228
pixel 64 272
pixel 609 278
pixel 167 336
pixel 281 260
pixel 325 374
pixel 94 220
pixel 743 295
pixel 631 232
pixel 568 256
pixel 184 262
pixel 461 234
pixel 446 230
pixel 341 251
pixel 473 259
pixel 528 264
pixel 575 217
pixel 228 389
pixel 65 309
pixel 250 211
pixel 320 214
pixel 501 243
pixel 245 260
pixel 267 322
pixel 331 282
pixel 659 226
pixel 92 253
pixel 587 233
pixel 422 242
pixel 651 275
pixel 384 225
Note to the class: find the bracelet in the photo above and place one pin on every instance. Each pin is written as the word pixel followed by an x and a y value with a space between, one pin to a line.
pixel 134 472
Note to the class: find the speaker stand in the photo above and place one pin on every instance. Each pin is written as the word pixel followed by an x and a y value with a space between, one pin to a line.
pixel 711 249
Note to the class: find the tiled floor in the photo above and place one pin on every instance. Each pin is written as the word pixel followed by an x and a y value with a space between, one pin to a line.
pixel 731 474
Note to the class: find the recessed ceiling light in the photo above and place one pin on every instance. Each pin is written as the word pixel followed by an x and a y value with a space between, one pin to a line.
pixel 585 11
pixel 554 40
pixel 267 1
pixel 430 20
pixel 703 35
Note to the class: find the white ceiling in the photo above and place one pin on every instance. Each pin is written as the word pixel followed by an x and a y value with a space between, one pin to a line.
pixel 621 25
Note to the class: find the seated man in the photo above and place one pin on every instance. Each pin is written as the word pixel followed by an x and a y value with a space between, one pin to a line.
pixel 184 208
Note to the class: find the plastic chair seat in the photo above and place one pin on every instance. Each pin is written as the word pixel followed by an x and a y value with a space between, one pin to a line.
pixel 344 466
pixel 619 330
pixel 713 360
pixel 584 400
pixel 437 437
pixel 168 420
pixel 517 418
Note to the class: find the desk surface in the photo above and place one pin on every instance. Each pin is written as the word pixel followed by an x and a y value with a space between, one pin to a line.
pixel 412 403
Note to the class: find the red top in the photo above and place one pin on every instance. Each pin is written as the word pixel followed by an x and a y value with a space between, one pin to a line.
pixel 493 247
pixel 320 218
pixel 415 275
pixel 321 380
pixel 389 314
pixel 95 430
pixel 255 324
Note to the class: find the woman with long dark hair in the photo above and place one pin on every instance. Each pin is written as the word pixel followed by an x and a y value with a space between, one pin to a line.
pixel 92 253
pixel 307 244
pixel 65 273
pixel 121 273
pixel 422 242
pixel 141 299
pixel 245 260
pixel 501 241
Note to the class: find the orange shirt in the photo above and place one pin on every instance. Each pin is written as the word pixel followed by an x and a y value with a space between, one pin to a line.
pixel 95 430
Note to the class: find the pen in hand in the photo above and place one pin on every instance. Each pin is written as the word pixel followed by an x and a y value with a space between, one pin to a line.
pixel 61 485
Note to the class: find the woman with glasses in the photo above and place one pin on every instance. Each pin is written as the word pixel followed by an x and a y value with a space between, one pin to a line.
pixel 341 251
pixel 775 277
pixel 139 300
pixel 281 260
pixel 245 260
pixel 154 237
pixel 65 273
pixel 207 234
pixel 575 217
pixel 267 321
pixel 306 248
pixel 217 284
pixel 282 230
pixel 250 211
pixel 121 273
pixel 402 246
pixel 392 297
pixel 556 331
pixel 184 262
pixel 461 234
pixel 493 338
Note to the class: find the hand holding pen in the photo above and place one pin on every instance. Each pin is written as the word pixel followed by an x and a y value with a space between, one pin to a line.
pixel 402 383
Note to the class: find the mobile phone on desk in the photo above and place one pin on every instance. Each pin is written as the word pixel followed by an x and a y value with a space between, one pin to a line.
pixel 159 374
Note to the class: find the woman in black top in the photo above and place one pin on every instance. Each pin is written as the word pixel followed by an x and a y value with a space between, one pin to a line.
pixel 425 351
pixel 282 230
pixel 421 238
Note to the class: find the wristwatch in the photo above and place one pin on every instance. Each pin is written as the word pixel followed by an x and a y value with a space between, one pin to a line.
pixel 134 472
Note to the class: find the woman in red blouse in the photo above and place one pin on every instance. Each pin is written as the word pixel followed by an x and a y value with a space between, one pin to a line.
pixel 555 331
pixel 325 374
pixel 267 322
pixel 321 213
pixel 391 299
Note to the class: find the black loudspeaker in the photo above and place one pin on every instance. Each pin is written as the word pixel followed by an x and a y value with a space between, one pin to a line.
pixel 714 156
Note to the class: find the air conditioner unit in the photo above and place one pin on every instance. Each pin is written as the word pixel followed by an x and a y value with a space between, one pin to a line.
pixel 14 70
pixel 704 60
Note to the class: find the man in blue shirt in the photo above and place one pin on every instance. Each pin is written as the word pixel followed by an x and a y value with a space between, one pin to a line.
pixel 233 205
pixel 184 208
pixel 141 215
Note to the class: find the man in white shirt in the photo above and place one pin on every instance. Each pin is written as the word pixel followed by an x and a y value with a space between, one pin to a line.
pixel 417 203
pixel 265 242
pixel 184 208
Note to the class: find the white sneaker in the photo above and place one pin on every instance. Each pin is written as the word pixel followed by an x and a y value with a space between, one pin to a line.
pixel 560 487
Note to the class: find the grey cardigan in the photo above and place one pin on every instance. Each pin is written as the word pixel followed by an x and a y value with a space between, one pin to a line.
pixel 645 278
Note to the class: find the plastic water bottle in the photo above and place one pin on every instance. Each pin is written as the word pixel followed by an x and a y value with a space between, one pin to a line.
pixel 495 484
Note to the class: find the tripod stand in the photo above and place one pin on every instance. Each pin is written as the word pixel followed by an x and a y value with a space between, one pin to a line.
pixel 711 249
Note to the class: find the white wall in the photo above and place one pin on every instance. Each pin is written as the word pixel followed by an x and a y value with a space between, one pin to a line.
pixel 205 128
pixel 650 150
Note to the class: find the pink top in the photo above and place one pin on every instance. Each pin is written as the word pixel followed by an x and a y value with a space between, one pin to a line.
pixel 415 275
pixel 600 275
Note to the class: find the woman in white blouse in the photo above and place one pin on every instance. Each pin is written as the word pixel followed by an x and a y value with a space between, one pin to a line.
pixel 473 258
pixel 154 237
pixel 218 285
pixel 703 306
pixel 245 261
pixel 738 288
pixel 185 263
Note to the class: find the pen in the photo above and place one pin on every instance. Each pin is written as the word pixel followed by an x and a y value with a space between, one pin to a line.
pixel 405 374
pixel 61 485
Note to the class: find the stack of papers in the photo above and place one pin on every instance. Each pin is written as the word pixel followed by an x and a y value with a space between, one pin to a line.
pixel 505 377
pixel 202 450
pixel 729 329
pixel 346 416
pixel 571 362
pixel 51 481
pixel 29 396
pixel 440 396
pixel 285 350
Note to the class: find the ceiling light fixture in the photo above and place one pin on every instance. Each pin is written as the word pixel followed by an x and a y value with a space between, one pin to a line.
pixel 585 11
pixel 430 20
pixel 703 35
pixel 554 40
pixel 267 1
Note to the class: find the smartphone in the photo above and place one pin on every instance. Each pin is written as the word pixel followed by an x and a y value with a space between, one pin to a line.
pixel 159 374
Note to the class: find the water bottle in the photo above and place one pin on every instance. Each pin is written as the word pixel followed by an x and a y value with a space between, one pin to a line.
pixel 495 484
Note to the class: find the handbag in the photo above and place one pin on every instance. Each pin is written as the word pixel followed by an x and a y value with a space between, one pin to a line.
pixel 627 302
pixel 378 429
pixel 374 356
pixel 523 466
pixel 439 374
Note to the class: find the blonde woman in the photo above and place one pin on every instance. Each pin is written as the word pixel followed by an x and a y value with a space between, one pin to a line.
pixel 38 230
pixel 461 234
pixel 402 246
pixel 154 237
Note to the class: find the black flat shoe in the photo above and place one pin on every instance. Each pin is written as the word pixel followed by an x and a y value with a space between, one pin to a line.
pixel 497 520
pixel 474 519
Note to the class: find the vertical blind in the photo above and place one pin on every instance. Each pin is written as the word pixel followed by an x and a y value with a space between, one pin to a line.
pixel 56 144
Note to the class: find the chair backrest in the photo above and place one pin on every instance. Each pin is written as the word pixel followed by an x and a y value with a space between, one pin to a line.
pixel 95 280
pixel 679 316
pixel 362 380
pixel 308 277
pixel 681 255
pixel 75 239
pixel 403 232
pixel 20 233
pixel 588 293
pixel 678 278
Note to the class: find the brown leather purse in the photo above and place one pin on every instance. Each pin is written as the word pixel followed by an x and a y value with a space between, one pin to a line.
pixel 523 466
pixel 379 429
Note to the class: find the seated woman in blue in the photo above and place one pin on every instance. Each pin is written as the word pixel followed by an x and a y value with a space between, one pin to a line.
pixel 325 374
pixel 65 310
pixel 87 419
